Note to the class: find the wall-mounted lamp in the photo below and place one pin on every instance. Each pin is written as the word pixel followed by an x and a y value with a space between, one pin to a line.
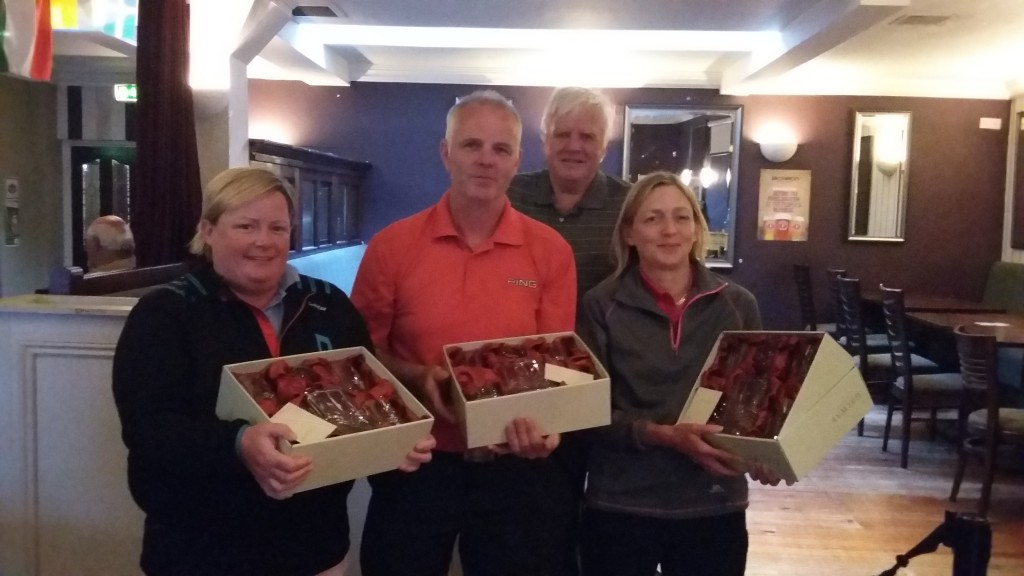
pixel 888 167
pixel 778 151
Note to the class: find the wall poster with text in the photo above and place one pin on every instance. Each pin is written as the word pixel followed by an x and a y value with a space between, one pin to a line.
pixel 784 205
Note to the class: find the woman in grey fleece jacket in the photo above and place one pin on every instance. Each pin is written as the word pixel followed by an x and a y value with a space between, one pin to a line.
pixel 656 492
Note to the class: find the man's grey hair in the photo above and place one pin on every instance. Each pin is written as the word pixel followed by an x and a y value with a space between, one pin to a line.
pixel 565 101
pixel 481 97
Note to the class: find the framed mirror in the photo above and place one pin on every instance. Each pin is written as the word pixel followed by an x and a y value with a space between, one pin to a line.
pixel 701 144
pixel 878 177
pixel 1017 223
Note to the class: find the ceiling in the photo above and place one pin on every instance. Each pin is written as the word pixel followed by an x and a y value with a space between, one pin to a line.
pixel 941 48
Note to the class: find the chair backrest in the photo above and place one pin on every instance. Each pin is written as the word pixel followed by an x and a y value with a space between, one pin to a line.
pixel 894 311
pixel 805 296
pixel 853 319
pixel 133 282
pixel 977 353
pixel 1004 286
pixel 835 299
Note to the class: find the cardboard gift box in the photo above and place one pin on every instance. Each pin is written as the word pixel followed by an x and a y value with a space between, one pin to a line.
pixel 579 404
pixel 832 397
pixel 343 457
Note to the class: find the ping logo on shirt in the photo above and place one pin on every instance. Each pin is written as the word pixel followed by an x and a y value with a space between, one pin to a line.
pixel 319 307
pixel 521 282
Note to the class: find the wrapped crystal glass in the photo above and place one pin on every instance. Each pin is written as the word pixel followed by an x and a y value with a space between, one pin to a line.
pixel 521 375
pixel 378 404
pixel 334 406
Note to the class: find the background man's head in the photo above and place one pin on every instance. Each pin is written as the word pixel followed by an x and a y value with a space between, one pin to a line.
pixel 575 130
pixel 108 239
pixel 481 147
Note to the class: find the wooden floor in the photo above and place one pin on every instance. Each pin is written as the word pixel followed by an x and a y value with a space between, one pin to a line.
pixel 854 513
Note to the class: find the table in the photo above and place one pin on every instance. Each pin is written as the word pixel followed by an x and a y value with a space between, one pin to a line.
pixel 1007 328
pixel 925 303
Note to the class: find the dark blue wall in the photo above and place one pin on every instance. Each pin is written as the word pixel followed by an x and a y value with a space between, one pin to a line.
pixel 956 174
pixel 398 127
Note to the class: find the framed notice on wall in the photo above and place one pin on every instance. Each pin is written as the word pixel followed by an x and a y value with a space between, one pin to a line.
pixel 784 205
pixel 12 196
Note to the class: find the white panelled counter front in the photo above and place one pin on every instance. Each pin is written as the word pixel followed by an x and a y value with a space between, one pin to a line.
pixel 64 501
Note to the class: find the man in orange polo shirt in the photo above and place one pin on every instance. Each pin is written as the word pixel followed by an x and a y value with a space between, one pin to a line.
pixel 468 268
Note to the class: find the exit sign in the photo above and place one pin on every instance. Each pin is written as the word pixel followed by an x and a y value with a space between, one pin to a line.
pixel 126 92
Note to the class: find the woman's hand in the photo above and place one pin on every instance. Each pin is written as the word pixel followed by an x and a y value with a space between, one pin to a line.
pixel 526 440
pixel 419 455
pixel 277 473
pixel 765 475
pixel 689 439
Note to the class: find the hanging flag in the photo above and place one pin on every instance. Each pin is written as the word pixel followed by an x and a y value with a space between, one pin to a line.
pixel 27 48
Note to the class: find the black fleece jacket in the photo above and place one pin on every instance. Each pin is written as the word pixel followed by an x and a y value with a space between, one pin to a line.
pixel 205 513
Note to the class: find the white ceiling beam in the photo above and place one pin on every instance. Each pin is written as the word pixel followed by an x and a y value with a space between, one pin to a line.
pixel 266 18
pixel 71 40
pixel 296 65
pixel 316 52
pixel 825 26
pixel 109 42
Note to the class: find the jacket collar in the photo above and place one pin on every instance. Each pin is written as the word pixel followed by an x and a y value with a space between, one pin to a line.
pixel 632 292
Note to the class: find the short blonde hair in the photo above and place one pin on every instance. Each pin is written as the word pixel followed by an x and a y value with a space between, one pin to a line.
pixel 625 255
pixel 234 187
pixel 565 101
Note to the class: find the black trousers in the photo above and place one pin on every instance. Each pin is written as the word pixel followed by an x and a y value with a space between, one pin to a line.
pixel 626 545
pixel 512 517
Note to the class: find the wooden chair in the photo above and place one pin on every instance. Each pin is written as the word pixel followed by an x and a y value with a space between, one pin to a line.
pixel 835 299
pixel 876 343
pixel 875 368
pixel 805 297
pixel 919 384
pixel 990 428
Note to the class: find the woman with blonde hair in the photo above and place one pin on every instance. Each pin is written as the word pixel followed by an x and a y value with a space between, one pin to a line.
pixel 657 493
pixel 217 493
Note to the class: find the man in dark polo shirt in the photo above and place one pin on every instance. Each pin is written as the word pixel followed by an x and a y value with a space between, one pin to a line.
pixel 582 203
pixel 572 195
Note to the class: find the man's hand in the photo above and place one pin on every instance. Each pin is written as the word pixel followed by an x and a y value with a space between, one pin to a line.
pixel 526 440
pixel 689 439
pixel 432 380
pixel 427 383
pixel 419 455
pixel 278 474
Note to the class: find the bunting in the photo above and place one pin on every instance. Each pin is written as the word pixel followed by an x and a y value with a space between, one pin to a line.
pixel 27 48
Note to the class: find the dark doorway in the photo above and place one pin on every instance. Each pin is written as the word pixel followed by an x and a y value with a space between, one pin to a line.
pixel 101 184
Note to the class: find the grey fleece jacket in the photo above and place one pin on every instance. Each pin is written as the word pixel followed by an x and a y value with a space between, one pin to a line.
pixel 650 382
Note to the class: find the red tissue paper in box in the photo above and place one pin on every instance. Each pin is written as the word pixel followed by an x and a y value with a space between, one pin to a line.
pixel 759 375
pixel 501 368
